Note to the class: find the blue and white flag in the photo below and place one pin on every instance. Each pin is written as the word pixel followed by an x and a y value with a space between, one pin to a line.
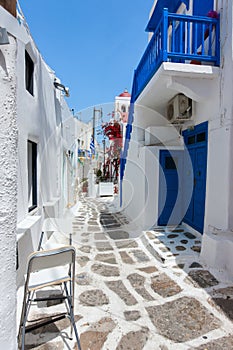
pixel 92 146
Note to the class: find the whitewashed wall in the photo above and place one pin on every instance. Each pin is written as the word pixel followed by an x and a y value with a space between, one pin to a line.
pixel 41 118
pixel 8 194
pixel 218 236
pixel 138 171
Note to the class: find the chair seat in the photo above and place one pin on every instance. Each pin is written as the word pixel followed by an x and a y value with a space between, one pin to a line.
pixel 48 277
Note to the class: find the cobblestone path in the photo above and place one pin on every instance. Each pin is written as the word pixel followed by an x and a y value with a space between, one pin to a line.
pixel 147 292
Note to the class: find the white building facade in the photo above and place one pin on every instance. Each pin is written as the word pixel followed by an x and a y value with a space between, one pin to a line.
pixel 39 151
pixel 177 161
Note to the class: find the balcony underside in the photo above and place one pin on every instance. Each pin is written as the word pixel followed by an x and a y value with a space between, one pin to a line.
pixel 195 81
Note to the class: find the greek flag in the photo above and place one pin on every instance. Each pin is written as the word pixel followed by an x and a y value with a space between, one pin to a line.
pixel 92 146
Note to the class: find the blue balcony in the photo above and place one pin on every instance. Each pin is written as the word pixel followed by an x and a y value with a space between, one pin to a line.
pixel 178 38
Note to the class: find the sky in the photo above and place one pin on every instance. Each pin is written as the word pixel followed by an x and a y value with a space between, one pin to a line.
pixel 92 45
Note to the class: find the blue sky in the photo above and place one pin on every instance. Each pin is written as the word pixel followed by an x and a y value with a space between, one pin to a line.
pixel 93 45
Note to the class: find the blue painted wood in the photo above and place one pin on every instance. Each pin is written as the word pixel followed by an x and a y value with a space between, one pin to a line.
pixel 201 8
pixel 188 34
pixel 173 36
pixel 185 31
pixel 197 151
pixel 160 49
pixel 165 26
pixel 171 5
pixel 210 39
pixel 170 204
pixel 217 41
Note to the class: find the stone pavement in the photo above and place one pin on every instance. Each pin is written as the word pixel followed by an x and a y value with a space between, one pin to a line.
pixel 139 291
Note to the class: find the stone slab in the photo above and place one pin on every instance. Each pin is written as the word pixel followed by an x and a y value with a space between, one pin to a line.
pixel 183 319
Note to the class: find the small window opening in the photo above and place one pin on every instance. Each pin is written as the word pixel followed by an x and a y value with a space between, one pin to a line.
pixel 201 137
pixel 123 109
pixel 29 70
pixel 191 140
pixel 32 175
pixel 170 163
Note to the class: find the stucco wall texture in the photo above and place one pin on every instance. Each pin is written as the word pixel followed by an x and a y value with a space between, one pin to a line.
pixel 8 195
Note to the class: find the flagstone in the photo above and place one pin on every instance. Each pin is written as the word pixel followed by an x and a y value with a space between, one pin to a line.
pixel 105 270
pixel 137 281
pixel 122 292
pixel 183 319
pixel 126 258
pixel 164 285
pixel 94 297
pixel 225 343
pixel 103 246
pixel 134 340
pixel 82 260
pixel 148 269
pixel 126 244
pixel 96 335
pixel 132 315
pixel 202 278
pixel 106 258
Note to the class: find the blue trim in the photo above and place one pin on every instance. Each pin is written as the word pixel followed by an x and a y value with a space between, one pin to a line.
pixel 171 5
pixel 198 154
pixel 201 8
pixel 169 203
pixel 159 51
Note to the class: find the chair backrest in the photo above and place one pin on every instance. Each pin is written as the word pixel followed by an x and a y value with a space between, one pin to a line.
pixel 46 259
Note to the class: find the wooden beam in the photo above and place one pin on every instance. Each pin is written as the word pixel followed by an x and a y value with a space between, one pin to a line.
pixel 9 5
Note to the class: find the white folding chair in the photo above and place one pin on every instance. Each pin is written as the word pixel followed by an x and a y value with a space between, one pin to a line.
pixel 48 268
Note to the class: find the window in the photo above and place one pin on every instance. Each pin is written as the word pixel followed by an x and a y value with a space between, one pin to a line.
pixel 123 109
pixel 32 175
pixel 29 70
pixel 171 163
pixel 191 140
pixel 201 137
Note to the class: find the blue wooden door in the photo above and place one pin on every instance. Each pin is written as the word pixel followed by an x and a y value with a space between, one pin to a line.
pixel 195 165
pixel 170 204
pixel 201 8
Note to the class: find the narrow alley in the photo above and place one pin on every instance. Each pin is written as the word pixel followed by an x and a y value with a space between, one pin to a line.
pixel 137 290
pixel 116 214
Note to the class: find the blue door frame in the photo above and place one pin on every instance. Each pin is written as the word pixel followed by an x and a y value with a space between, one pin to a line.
pixel 170 199
pixel 182 181
pixel 196 142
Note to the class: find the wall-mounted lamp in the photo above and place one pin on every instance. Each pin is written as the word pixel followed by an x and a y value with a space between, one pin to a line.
pixel 62 88
pixel 4 37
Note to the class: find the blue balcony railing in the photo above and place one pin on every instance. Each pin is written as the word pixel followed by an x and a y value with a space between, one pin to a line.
pixel 178 38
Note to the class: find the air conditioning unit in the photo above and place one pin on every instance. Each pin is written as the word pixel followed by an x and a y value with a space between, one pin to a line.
pixel 179 109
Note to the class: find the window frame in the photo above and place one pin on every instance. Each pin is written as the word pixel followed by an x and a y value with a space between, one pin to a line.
pixel 29 73
pixel 32 175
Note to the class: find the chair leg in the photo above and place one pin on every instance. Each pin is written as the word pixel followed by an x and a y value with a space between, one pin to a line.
pixel 23 320
pixel 69 298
